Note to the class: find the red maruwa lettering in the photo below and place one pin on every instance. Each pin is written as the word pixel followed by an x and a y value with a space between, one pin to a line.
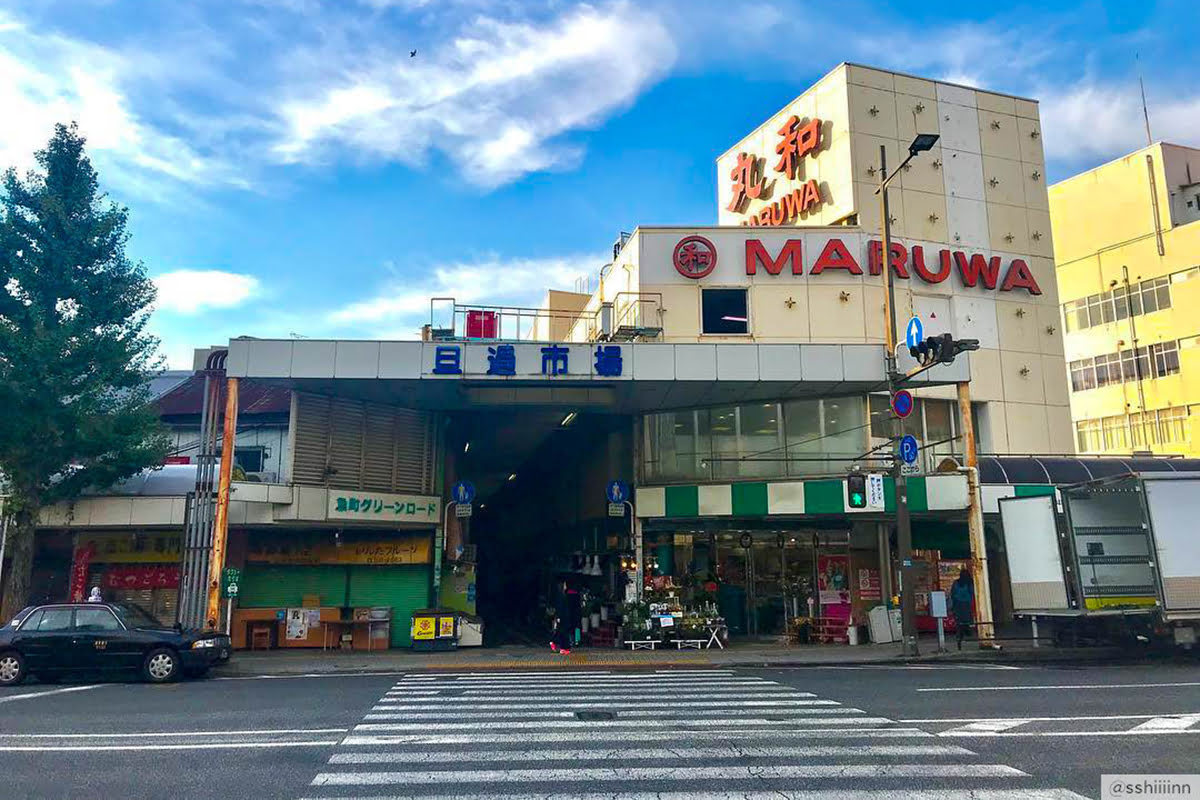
pixel 977 267
pixel 923 272
pixel 1019 277
pixel 756 253
pixel 836 256
pixel 898 260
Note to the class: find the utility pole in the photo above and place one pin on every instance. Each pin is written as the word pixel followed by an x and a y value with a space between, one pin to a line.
pixel 221 523
pixel 985 627
pixel 908 600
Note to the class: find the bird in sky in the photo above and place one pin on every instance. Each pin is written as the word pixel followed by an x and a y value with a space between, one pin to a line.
pixel 412 53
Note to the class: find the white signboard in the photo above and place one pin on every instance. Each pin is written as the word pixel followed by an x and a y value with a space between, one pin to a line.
pixel 875 497
pixel 376 507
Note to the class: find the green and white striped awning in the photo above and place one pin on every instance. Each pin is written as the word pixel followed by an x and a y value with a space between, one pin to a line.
pixel 809 498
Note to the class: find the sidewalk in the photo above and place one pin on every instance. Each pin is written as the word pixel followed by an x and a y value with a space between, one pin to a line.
pixel 316 662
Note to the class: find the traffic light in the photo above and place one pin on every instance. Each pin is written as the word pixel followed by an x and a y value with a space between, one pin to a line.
pixel 856 490
pixel 941 349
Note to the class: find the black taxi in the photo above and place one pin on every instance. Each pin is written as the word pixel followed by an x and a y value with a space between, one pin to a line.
pixel 58 640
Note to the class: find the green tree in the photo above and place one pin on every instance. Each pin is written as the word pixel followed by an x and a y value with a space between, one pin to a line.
pixel 75 356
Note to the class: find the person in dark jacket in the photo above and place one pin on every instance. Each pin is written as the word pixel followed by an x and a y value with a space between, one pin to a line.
pixel 962 604
pixel 565 619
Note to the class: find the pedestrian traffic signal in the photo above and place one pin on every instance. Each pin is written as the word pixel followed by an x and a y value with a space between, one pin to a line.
pixel 941 349
pixel 856 490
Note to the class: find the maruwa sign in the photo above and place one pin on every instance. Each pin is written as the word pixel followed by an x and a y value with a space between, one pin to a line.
pixel 696 257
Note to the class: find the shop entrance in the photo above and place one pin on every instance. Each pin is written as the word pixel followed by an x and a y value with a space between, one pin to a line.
pixel 764 582
pixel 540 516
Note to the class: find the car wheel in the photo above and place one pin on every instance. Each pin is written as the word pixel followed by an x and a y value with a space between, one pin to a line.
pixel 160 666
pixel 12 668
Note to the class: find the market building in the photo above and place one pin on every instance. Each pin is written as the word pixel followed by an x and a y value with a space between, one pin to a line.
pixel 731 375
pixel 1127 253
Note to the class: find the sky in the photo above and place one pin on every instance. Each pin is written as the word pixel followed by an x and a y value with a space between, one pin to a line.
pixel 292 169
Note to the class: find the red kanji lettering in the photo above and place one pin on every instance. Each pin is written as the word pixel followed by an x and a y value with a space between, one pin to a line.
pixel 748 181
pixel 797 141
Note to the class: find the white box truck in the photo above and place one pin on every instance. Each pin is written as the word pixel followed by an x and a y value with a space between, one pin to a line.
pixel 1112 559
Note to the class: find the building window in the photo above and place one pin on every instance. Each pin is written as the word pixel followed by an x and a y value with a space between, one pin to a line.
pixel 724 311
pixel 1166 358
pixel 1137 431
pixel 1121 303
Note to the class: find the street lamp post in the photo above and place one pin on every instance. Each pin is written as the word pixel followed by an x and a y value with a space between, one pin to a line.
pixel 908 600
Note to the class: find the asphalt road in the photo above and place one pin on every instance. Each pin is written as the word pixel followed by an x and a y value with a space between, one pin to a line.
pixel 938 731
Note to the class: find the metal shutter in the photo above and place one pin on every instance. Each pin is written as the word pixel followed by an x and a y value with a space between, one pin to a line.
pixel 404 589
pixel 311 438
pixel 266 586
pixel 346 444
pixel 413 443
pixel 378 448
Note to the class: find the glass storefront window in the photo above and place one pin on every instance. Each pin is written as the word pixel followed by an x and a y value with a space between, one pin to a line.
pixel 845 431
pixel 760 441
pixel 802 430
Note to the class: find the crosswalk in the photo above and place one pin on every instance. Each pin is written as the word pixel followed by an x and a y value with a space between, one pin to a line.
pixel 666 735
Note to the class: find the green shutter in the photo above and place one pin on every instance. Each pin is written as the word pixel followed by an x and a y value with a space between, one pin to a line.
pixel 683 501
pixel 749 499
pixel 403 588
pixel 266 586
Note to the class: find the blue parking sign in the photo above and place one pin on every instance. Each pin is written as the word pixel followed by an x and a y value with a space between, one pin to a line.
pixel 909 449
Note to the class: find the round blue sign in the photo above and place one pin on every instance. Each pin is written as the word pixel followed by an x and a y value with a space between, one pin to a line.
pixel 463 493
pixel 908 449
pixel 902 403
pixel 617 491
pixel 914 332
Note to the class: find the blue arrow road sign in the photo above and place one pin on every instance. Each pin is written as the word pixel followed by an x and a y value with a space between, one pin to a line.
pixel 908 449
pixel 914 332
pixel 617 491
pixel 463 493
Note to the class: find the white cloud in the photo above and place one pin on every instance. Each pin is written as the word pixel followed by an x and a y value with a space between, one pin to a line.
pixel 494 100
pixel 191 291
pixel 404 305
pixel 1093 121
pixel 50 79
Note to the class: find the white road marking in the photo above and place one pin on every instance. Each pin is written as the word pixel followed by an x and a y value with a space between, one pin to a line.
pixel 1165 723
pixel 791 794
pixel 621 737
pixel 85 748
pixel 1047 719
pixel 743 683
pixel 1058 686
pixel 991 725
pixel 458 704
pixel 31 695
pixel 256 732
pixel 1131 732
pixel 641 723
pixel 675 713
pixel 676 752
pixel 676 693
pixel 760 772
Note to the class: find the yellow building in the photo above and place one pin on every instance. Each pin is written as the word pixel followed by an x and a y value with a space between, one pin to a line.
pixel 1127 253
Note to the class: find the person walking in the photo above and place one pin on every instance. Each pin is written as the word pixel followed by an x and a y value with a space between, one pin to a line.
pixel 962 603
pixel 564 626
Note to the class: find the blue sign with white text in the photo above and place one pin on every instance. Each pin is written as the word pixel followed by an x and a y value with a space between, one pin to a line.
pixel 617 491
pixel 914 332
pixel 463 493
pixel 909 449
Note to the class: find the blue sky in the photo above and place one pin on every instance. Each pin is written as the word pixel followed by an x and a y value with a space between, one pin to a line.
pixel 291 170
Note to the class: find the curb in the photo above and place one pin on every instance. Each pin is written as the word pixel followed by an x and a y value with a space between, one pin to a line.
pixel 1047 655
